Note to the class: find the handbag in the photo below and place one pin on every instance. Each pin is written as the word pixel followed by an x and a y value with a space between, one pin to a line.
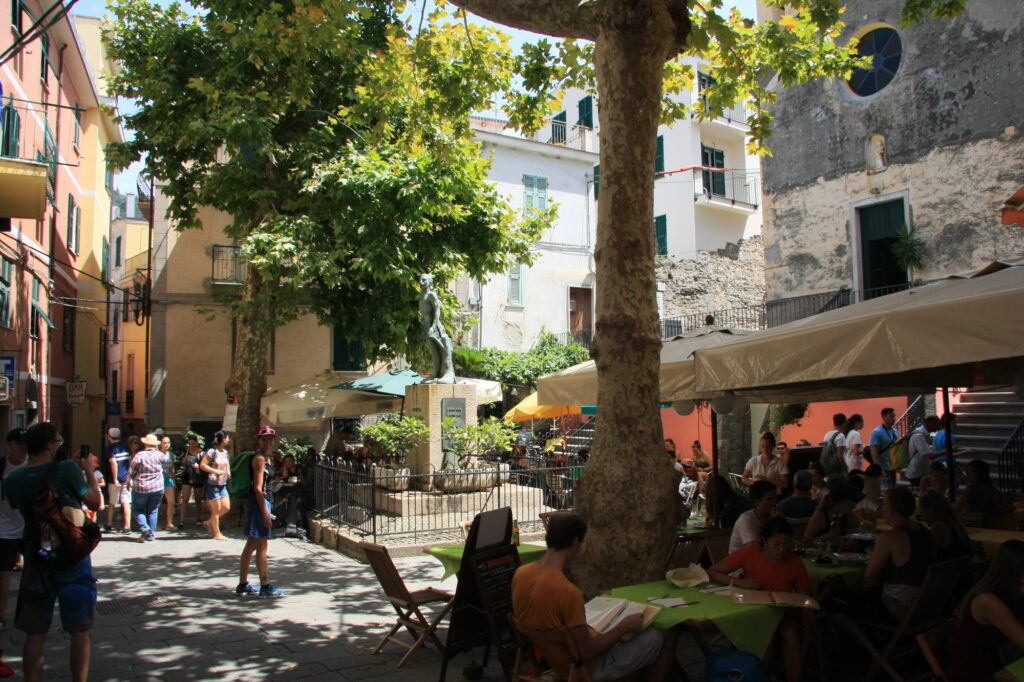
pixel 899 455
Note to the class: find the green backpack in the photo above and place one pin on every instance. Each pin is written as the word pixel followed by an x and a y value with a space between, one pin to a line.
pixel 241 475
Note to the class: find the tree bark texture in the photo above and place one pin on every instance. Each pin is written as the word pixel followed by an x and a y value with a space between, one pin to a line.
pixel 629 493
pixel 248 379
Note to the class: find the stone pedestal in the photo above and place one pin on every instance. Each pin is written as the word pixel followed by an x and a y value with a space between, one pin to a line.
pixel 424 401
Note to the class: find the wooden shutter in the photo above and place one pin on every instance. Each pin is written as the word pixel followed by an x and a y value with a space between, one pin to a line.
pixel 659 156
pixel 661 235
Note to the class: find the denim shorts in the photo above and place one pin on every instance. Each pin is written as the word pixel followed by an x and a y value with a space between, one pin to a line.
pixel 74 589
pixel 214 492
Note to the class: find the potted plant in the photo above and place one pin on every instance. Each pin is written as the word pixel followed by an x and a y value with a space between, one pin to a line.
pixel 469 443
pixel 392 438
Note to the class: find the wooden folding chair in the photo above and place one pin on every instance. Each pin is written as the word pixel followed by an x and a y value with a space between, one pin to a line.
pixel 930 642
pixel 686 550
pixel 930 609
pixel 528 638
pixel 406 604
pixel 717 543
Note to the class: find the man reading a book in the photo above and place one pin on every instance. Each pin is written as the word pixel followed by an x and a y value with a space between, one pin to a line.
pixel 543 598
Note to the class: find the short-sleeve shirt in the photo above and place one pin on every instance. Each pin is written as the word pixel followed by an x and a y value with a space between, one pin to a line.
pixel 12 525
pixel 544 599
pixel 747 529
pixel 119 452
pixel 787 577
pixel 776 468
pixel 853 460
pixel 219 459
pixel 939 443
pixel 147 469
pixel 882 438
pixel 22 485
pixel 917 452
pixel 794 507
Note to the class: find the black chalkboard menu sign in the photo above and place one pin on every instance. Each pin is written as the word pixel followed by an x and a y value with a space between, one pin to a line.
pixel 483 598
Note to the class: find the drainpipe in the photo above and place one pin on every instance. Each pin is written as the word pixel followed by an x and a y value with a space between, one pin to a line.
pixel 148 292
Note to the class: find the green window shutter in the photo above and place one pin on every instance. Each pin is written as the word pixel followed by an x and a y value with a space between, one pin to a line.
pixel 71 224
pixel 714 182
pixel 6 308
pixel 12 125
pixel 515 285
pixel 535 193
pixel 78 228
pixel 659 156
pixel 661 235
pixel 117 252
pixel 585 109
pixel 597 180
pixel 542 194
pixel 104 267
pixel 347 355
pixel 44 57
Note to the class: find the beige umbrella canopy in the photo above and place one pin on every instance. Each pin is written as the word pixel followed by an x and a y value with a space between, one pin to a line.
pixel 577 385
pixel 309 402
pixel 963 331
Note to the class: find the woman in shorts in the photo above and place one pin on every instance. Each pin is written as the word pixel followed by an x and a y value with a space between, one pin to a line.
pixel 217 464
pixel 191 479
pixel 258 527
pixel 169 490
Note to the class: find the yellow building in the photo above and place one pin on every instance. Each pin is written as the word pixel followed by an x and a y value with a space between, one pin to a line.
pixel 97 130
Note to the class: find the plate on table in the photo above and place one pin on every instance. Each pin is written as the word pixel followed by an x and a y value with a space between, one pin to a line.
pixel 864 536
pixel 849 558
pixel 825 561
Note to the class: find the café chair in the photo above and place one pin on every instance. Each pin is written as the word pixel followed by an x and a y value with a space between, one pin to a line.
pixel 931 608
pixel 406 604
pixel 525 667
pixel 931 642
pixel 717 543
pixel 686 550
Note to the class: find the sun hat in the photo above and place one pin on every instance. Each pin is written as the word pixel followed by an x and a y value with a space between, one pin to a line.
pixel 266 431
pixel 150 440
pixel 688 576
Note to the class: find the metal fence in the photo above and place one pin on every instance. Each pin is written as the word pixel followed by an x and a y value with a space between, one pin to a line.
pixel 1010 474
pixel 403 507
pixel 732 186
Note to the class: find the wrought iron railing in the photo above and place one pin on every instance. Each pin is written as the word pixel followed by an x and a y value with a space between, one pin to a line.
pixel 553 131
pixel 912 417
pixel 1011 462
pixel 584 337
pixel 228 264
pixel 724 185
pixel 402 507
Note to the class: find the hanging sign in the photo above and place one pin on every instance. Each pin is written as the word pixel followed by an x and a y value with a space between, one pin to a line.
pixel 75 388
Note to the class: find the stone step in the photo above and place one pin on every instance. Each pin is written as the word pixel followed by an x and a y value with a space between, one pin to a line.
pixel 989 396
pixel 982 409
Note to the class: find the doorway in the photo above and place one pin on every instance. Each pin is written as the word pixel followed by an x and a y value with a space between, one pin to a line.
pixel 879 228
pixel 581 321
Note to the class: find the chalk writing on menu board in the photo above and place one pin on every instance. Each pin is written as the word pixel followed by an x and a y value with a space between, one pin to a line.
pixel 494 571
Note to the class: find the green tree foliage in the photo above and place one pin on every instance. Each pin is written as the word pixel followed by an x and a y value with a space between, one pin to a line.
pixel 395 435
pixel 514 369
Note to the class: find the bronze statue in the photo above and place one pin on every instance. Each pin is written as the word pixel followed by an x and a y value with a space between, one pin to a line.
pixel 438 341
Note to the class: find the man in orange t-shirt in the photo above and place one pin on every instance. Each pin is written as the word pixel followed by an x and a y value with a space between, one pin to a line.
pixel 543 598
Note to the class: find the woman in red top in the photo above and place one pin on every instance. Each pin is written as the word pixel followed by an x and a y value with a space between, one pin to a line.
pixel 990 614
pixel 772 565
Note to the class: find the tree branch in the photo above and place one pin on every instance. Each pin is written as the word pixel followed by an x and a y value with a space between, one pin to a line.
pixel 557 18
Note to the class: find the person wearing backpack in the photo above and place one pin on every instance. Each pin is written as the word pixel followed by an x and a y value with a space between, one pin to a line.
pixel 12 526
pixel 260 518
pixel 217 465
pixel 833 447
pixel 45 583
pixel 192 479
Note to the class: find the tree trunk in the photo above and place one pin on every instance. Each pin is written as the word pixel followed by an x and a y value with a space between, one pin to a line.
pixel 629 494
pixel 248 379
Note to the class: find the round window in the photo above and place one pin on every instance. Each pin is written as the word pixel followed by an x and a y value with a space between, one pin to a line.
pixel 883 45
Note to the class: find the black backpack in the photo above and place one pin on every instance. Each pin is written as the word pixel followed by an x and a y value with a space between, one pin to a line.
pixel 59 533
pixel 199 477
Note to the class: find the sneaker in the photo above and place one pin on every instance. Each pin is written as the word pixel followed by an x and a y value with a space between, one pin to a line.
pixel 142 538
pixel 270 591
pixel 246 588
pixel 150 537
pixel 107 529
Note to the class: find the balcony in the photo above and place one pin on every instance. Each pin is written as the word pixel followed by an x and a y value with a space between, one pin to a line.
pixel 732 118
pixel 28 158
pixel 228 265
pixel 726 190
pixel 556 132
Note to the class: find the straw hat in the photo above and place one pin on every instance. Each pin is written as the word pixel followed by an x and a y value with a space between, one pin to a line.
pixel 150 440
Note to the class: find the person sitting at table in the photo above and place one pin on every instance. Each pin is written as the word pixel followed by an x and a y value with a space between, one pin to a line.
pixel 724 505
pixel 902 555
pixel 543 598
pixel 937 478
pixel 771 565
pixel 837 508
pixel 989 615
pixel 800 505
pixel 766 466
pixel 818 487
pixel 287 470
pixel 764 495
pixel 949 535
pixel 981 495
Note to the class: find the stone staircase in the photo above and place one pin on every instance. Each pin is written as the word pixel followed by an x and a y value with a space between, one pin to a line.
pixel 985 420
pixel 581 438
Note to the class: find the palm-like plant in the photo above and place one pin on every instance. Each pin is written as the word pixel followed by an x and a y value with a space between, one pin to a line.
pixel 909 250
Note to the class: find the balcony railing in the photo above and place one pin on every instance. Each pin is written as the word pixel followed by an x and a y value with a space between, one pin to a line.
pixel 553 131
pixel 228 265
pixel 725 186
pixel 581 336
pixel 735 115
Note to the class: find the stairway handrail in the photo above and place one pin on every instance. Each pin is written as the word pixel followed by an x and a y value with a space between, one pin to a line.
pixel 912 417
pixel 1010 461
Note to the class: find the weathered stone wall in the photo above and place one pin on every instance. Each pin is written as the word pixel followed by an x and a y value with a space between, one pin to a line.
pixel 732 277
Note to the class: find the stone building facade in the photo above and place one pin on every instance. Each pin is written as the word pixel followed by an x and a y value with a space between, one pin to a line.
pixel 715 281
pixel 930 138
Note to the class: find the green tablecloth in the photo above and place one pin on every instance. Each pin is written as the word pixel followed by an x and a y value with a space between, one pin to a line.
pixel 749 628
pixel 852 574
pixel 450 556
pixel 1016 669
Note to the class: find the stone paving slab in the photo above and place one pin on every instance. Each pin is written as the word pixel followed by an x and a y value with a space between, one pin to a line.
pixel 167 611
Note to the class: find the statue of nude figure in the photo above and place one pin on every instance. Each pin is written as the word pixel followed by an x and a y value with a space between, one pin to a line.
pixel 438 341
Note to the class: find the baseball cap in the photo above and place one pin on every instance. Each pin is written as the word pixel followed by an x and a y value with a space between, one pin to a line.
pixel 114 432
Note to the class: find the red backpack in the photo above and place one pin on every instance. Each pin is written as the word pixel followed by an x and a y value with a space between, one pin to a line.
pixel 60 534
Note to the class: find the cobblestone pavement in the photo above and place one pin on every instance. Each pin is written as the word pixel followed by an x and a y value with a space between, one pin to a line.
pixel 167 611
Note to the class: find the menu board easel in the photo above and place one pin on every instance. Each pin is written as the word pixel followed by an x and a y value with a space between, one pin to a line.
pixel 483 597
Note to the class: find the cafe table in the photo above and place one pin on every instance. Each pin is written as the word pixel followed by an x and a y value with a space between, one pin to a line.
pixel 749 627
pixel 991 539
pixel 852 575
pixel 450 556
pixel 1014 671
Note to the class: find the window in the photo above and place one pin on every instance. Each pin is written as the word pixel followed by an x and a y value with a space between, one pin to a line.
pixel 558 128
pixel 12 129
pixel 33 325
pixel 44 58
pixel 585 108
pixel 535 193
pixel 597 180
pixel 6 293
pixel 660 235
pixel 73 230
pixel 704 81
pixel 76 134
pixel 16 17
pixel 68 328
pixel 515 285
pixel 117 252
pixel 883 45
pixel 115 395
pixel 49 157
pixel 115 323
pixel 346 354
pixel 109 181
pixel 659 157
pixel 714 182
pixel 105 267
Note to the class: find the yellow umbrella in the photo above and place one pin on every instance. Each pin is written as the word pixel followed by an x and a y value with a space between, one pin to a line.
pixel 529 409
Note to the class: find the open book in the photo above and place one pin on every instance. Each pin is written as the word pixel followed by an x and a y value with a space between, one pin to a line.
pixel 741 596
pixel 604 613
